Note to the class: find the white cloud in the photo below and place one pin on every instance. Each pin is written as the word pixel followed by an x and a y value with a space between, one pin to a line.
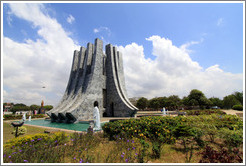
pixel 220 22
pixel 173 72
pixel 30 65
pixel 185 46
pixel 102 29
pixel 70 19
pixel 95 30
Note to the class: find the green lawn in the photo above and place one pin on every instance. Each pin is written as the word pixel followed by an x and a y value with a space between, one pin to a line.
pixel 8 128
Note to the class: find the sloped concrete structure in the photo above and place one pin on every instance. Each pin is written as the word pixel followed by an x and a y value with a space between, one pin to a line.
pixel 95 79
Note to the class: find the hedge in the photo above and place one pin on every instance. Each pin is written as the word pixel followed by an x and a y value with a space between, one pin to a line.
pixel 238 107
pixel 13 117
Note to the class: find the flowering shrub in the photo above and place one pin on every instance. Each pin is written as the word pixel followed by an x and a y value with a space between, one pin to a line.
pixel 13 117
pixel 21 131
pixel 223 155
pixel 204 112
pixel 158 128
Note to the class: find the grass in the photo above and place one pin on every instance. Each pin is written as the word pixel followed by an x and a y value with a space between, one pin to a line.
pixel 8 128
pixel 91 148
pixel 99 150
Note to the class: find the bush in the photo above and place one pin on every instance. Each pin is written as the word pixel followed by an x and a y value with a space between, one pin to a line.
pixel 15 117
pixel 21 131
pixel 204 112
pixel 231 138
pixel 25 140
pixel 58 137
pixel 210 155
pixel 238 107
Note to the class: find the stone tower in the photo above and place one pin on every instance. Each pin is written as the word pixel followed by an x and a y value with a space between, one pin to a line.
pixel 95 79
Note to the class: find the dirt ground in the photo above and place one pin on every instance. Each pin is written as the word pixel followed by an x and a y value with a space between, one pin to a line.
pixel 232 112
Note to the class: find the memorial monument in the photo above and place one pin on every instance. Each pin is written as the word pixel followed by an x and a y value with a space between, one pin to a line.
pixel 98 78
pixel 41 110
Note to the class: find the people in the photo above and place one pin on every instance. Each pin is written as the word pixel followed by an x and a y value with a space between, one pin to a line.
pixel 96 117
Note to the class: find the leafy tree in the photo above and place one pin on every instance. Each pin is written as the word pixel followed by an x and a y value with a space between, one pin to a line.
pixel 20 104
pixel 197 98
pixel 142 103
pixel 154 103
pixel 239 96
pixel 216 101
pixel 185 101
pixel 19 107
pixel 34 107
pixel 48 107
pixel 173 102
pixel 229 101
pixel 162 101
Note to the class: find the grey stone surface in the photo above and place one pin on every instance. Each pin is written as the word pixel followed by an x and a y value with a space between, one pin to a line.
pixel 94 77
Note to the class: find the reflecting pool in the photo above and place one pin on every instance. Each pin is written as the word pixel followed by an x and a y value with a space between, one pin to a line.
pixel 71 126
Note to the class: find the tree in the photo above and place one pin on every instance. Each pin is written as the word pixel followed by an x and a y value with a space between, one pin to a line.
pixel 197 98
pixel 20 104
pixel 229 101
pixel 215 101
pixel 34 107
pixel 239 96
pixel 185 101
pixel 162 101
pixel 142 103
pixel 154 103
pixel 48 107
pixel 173 102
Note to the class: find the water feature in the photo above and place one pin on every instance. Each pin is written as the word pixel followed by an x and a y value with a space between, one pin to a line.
pixel 71 126
pixel 96 116
pixel 30 118
pixel 24 117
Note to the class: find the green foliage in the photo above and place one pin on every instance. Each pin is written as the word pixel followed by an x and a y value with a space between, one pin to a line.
pixel 19 108
pixel 238 107
pixel 19 141
pixel 20 104
pixel 142 103
pixel 21 131
pixel 34 107
pixel 232 138
pixel 229 101
pixel 222 155
pixel 215 101
pixel 173 102
pixel 204 112
pixel 239 97
pixel 197 98
pixel 36 148
pixel 154 128
pixel 162 101
pixel 154 103
pixel 48 107
pixel 13 117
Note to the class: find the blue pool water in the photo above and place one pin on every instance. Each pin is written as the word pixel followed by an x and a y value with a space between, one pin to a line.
pixel 72 126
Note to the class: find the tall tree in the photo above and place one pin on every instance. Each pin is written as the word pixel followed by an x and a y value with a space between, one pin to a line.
pixel 34 107
pixel 174 102
pixel 142 103
pixel 154 103
pixel 215 101
pixel 239 96
pixel 48 107
pixel 197 98
pixel 229 101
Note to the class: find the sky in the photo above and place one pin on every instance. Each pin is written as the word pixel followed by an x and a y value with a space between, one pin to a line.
pixel 168 48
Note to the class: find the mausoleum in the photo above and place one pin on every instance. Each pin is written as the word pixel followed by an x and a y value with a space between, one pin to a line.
pixel 95 79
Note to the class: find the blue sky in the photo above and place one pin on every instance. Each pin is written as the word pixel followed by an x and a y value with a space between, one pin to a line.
pixel 206 36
